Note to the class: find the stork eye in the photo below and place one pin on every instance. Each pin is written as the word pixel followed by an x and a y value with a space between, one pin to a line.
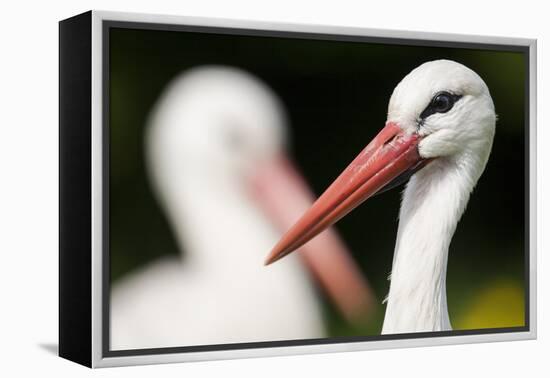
pixel 442 102
pixel 235 140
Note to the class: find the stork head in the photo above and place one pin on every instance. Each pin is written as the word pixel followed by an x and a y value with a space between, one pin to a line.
pixel 448 106
pixel 216 124
pixel 440 110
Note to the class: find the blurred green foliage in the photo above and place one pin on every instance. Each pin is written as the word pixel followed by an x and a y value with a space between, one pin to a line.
pixel 498 304
pixel 336 95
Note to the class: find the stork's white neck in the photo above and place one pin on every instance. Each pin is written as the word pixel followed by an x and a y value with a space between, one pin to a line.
pixel 203 209
pixel 432 205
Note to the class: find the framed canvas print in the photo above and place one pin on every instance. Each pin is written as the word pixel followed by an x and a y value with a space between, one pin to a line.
pixel 236 189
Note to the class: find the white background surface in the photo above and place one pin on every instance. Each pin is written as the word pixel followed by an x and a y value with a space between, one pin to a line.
pixel 29 174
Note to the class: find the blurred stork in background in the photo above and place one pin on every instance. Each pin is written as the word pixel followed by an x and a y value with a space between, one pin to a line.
pixel 440 129
pixel 216 159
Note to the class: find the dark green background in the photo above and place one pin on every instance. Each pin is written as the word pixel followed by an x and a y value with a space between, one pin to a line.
pixel 336 96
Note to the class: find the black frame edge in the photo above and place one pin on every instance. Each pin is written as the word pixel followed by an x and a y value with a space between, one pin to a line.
pixel 75 100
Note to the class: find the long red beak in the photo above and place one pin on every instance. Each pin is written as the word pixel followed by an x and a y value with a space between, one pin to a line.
pixel 284 195
pixel 391 154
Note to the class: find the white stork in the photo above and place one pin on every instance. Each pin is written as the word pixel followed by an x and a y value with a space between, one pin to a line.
pixel 215 153
pixel 440 129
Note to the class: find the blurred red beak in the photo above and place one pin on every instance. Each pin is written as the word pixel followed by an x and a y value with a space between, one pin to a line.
pixel 284 195
pixel 391 154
